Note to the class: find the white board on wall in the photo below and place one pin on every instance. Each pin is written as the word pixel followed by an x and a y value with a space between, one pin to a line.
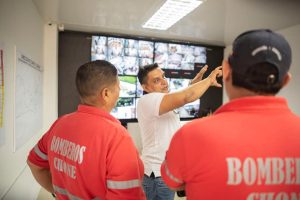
pixel 28 99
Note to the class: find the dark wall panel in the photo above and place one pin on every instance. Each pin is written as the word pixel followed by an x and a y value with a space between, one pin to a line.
pixel 74 50
pixel 213 97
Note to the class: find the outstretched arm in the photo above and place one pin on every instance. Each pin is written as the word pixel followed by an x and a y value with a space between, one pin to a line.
pixel 175 100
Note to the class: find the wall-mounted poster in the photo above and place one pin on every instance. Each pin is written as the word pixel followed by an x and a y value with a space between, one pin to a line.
pixel 1 94
pixel 1 87
pixel 28 99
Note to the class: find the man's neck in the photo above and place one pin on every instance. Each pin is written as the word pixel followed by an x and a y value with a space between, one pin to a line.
pixel 242 92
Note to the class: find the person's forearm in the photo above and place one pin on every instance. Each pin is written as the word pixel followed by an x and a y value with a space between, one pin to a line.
pixel 177 99
pixel 192 93
pixel 196 90
pixel 42 176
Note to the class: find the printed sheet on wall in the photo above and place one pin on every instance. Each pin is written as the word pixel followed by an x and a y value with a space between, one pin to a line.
pixel 28 99
pixel 2 136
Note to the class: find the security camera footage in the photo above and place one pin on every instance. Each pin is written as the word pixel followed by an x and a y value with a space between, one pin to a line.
pixel 178 57
pixel 190 110
pixel 128 54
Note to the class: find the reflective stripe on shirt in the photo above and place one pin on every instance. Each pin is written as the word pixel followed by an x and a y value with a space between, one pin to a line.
pixel 62 191
pixel 39 153
pixel 123 184
pixel 171 176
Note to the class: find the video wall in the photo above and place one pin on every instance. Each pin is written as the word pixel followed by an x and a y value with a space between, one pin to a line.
pixel 180 60
pixel 128 54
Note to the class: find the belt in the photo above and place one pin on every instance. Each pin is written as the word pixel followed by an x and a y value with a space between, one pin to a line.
pixel 152 176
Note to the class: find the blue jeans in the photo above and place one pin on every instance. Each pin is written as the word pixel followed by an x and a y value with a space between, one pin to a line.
pixel 156 189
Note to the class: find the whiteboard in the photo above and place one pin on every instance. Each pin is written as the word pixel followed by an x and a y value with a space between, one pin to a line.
pixel 28 99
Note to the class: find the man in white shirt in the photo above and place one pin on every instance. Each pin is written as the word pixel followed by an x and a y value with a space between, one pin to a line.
pixel 158 121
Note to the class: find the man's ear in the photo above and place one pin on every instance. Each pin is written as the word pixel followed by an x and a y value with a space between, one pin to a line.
pixel 104 95
pixel 145 87
pixel 286 79
pixel 226 70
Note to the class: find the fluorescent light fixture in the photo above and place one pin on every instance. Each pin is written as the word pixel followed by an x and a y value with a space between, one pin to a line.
pixel 171 12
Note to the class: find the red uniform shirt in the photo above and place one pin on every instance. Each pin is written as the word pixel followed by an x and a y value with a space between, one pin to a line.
pixel 90 155
pixel 249 149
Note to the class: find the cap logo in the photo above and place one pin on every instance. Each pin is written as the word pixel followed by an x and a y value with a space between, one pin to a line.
pixel 265 48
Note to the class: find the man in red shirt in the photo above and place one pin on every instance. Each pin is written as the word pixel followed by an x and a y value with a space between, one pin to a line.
pixel 88 154
pixel 250 147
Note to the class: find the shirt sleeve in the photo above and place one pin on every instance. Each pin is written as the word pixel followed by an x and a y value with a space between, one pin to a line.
pixel 150 104
pixel 39 153
pixel 125 170
pixel 172 169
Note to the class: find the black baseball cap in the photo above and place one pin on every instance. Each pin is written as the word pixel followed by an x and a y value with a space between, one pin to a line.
pixel 261 46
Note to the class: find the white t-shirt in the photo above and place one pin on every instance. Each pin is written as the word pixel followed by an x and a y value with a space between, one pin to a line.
pixel 156 131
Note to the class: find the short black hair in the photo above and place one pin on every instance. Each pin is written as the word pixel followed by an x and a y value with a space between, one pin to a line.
pixel 144 70
pixel 261 78
pixel 95 75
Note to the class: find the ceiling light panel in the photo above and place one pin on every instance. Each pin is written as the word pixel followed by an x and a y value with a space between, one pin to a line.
pixel 170 13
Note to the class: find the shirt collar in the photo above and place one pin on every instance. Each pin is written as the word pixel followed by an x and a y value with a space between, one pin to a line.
pixel 254 103
pixel 96 111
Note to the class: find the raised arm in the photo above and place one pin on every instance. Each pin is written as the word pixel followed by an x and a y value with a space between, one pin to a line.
pixel 175 100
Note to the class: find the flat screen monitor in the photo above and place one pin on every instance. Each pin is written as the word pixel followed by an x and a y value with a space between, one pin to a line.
pixel 128 86
pixel 126 54
pixel 190 110
pixel 125 109
pixel 99 48
pixel 178 56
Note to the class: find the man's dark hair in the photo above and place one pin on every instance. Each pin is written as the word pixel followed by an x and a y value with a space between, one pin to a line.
pixel 260 78
pixel 144 70
pixel 95 75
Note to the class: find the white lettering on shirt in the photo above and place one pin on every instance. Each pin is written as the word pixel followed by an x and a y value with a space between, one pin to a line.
pixel 67 149
pixel 263 171
pixel 71 151
pixel 273 196
pixel 64 167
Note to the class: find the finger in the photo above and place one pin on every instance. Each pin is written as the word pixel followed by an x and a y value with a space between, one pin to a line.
pixel 219 68
pixel 205 67
pixel 203 70
pixel 220 73
pixel 216 84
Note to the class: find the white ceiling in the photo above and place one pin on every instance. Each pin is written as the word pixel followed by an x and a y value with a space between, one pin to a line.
pixel 215 22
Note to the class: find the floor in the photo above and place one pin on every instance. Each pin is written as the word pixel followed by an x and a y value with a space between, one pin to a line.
pixel 44 195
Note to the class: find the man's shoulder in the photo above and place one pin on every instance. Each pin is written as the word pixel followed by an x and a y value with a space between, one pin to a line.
pixel 150 97
pixel 153 94
pixel 201 124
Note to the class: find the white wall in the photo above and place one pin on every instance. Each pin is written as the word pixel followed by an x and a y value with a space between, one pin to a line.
pixel 291 92
pixel 22 26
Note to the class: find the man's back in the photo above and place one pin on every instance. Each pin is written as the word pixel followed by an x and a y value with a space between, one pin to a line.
pixel 91 155
pixel 250 149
